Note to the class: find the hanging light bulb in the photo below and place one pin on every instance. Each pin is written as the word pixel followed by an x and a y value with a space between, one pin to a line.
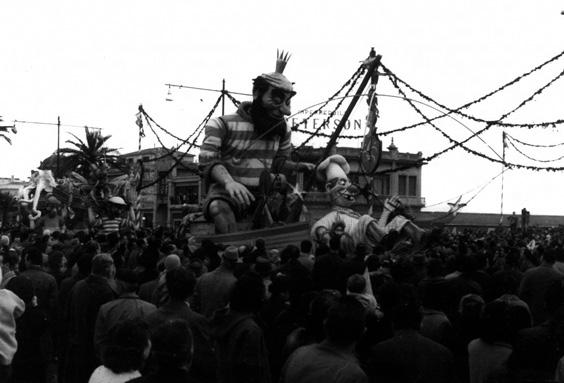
pixel 169 95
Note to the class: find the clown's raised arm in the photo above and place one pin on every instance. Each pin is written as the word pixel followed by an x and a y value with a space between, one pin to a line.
pixel 238 148
pixel 363 228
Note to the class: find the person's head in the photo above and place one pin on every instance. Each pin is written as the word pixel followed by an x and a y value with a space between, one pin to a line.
pixel 260 244
pixel 129 280
pixel 4 240
pixel 495 322
pixel 549 256
pixel 345 322
pixel 356 284
pixel 56 261
pixel 289 253
pixel 335 244
pixel 172 345
pixel 248 293
pixel 171 262
pixel 373 263
pixel 230 256
pixel 406 313
pixel 180 283
pixel 103 265
pixel 22 287
pixel 84 263
pixel 305 246
pixel 263 266
pixel 34 256
pixel 470 307
pixel 11 259
pixel 280 286
pixel 53 205
pixel 128 346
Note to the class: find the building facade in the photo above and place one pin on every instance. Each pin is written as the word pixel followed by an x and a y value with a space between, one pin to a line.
pixel 167 187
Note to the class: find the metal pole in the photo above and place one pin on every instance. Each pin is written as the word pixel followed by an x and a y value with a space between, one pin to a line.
pixel 375 63
pixel 503 138
pixel 58 144
pixel 223 97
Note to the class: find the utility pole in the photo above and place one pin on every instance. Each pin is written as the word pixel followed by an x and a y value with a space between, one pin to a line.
pixel 223 98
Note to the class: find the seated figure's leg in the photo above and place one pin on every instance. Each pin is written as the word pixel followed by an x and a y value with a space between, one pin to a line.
pixel 223 216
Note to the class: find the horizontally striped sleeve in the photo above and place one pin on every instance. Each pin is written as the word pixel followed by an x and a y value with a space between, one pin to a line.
pixel 210 151
pixel 211 146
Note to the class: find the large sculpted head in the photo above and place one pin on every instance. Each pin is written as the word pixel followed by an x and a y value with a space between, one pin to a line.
pixel 272 94
pixel 333 171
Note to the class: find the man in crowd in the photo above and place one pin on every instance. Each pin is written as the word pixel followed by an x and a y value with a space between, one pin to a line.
pixel 213 289
pixel 332 360
pixel 180 284
pixel 86 298
pixel 238 148
pixel 127 306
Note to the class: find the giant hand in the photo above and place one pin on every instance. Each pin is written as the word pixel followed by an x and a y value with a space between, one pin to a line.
pixel 239 192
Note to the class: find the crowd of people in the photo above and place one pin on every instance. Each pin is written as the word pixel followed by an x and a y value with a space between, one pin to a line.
pixel 149 306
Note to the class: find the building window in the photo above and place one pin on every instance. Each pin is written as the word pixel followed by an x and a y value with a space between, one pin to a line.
pixel 185 194
pixel 382 184
pixel 407 185
pixel 412 186
pixel 163 184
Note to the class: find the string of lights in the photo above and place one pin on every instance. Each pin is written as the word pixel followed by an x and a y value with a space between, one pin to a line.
pixel 169 152
pixel 199 129
pixel 534 145
pixel 179 159
pixel 149 119
pixel 454 142
pixel 477 133
pixel 531 158
pixel 505 115
pixel 477 119
pixel 235 102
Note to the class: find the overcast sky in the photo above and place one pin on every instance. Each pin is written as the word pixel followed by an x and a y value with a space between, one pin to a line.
pixel 92 63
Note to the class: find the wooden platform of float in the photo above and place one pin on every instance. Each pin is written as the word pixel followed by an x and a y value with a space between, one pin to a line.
pixel 276 237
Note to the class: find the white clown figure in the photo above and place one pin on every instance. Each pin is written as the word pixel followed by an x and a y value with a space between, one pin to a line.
pixel 362 228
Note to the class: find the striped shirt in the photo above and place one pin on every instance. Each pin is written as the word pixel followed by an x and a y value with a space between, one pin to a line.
pixel 110 225
pixel 232 141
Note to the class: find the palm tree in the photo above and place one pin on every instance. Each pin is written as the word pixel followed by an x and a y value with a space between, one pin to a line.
pixel 87 156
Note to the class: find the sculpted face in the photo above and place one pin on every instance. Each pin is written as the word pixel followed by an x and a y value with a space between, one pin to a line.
pixel 276 103
pixel 342 192
pixel 269 109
